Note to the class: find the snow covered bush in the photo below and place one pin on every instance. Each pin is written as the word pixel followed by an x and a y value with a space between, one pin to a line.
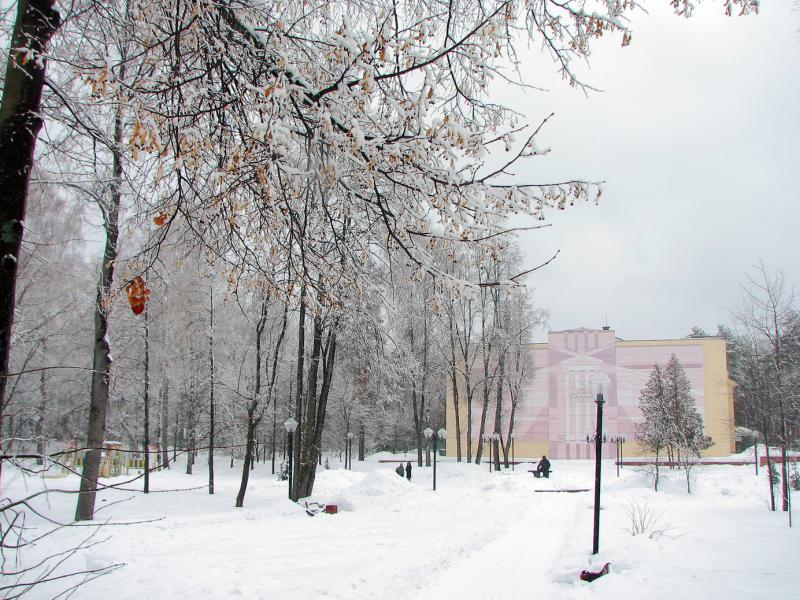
pixel 643 519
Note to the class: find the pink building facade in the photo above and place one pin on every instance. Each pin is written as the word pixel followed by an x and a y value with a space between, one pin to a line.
pixel 557 410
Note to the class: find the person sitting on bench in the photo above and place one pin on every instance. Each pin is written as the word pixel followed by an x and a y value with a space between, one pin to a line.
pixel 543 468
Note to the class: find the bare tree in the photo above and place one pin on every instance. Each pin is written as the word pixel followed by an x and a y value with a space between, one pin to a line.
pixel 767 317
pixel 260 401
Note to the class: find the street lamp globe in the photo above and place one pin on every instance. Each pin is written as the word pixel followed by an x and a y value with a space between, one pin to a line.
pixel 290 424
pixel 441 433
pixel 428 432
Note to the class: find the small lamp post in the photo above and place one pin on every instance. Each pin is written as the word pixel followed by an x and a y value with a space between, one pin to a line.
pixel 496 446
pixel 349 451
pixel 437 435
pixel 487 440
pixel 619 441
pixel 291 426
pixel 755 449
pixel 512 436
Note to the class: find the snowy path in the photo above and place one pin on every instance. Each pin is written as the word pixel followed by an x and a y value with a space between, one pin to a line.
pixel 518 563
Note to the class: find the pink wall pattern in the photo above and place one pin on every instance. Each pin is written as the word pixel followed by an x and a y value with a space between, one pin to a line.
pixel 558 404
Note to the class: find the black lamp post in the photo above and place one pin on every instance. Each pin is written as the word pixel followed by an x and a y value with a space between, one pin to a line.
pixel 598 452
pixel 619 440
pixel 349 451
pixel 487 439
pixel 496 446
pixel 512 436
pixel 436 435
pixel 291 426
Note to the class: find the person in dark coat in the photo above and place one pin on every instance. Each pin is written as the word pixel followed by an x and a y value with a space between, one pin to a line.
pixel 399 470
pixel 543 468
pixel 408 470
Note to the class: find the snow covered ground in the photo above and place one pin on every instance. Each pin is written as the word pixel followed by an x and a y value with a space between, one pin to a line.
pixel 479 536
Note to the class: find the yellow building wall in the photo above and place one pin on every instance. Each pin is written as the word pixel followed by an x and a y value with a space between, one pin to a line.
pixel 719 418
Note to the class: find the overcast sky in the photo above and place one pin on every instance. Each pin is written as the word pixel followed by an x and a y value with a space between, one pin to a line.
pixel 696 134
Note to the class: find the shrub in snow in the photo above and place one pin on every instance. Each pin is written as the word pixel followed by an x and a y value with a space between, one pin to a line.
pixel 283 471
pixel 643 519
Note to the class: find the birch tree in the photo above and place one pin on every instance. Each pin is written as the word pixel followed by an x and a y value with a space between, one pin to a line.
pixel 769 360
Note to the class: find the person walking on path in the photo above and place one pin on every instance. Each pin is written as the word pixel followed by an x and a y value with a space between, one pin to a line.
pixel 408 470
pixel 399 469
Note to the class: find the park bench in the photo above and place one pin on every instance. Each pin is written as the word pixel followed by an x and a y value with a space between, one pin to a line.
pixel 537 474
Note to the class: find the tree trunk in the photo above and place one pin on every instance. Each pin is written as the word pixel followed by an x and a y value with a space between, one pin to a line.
pixel 146 424
pixel 274 436
pixel 307 464
pixel 484 411
pixel 362 441
pixel 468 394
pixel 363 397
pixel 507 445
pixel 513 389
pixel 329 360
pixel 424 385
pixel 41 445
pixel 175 437
pixel 416 408
pixel 20 122
pixel 298 397
pixel 211 407
pixel 656 477
pixel 252 421
pixel 765 426
pixel 454 384
pixel 165 424
pixel 498 411
pixel 101 362
pixel 316 404
pixel 687 467
pixel 189 441
pixel 417 426
pixel 248 456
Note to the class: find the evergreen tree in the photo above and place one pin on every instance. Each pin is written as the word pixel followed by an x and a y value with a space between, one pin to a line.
pixel 687 424
pixel 697 332
pixel 671 420
pixel 651 433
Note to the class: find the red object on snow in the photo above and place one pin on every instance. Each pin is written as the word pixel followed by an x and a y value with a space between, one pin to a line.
pixel 592 575
pixel 331 509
